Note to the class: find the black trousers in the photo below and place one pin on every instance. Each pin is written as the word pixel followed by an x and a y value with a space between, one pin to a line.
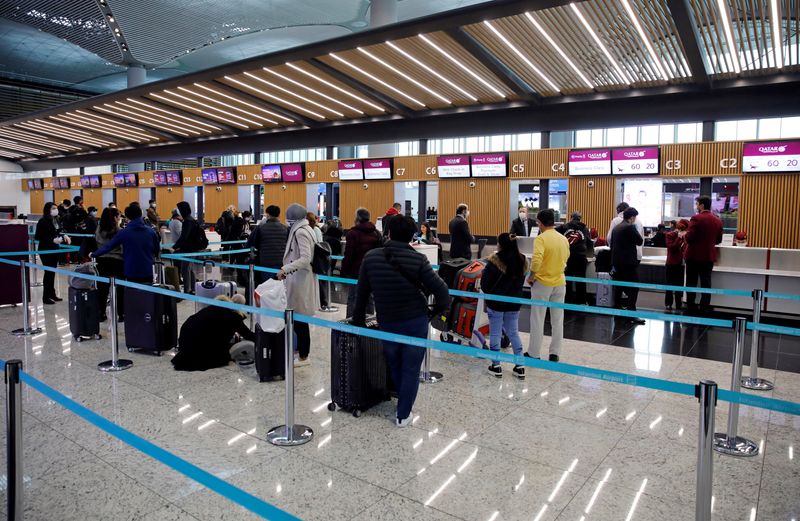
pixel 576 267
pixel 674 278
pixel 49 279
pixel 110 267
pixel 303 338
pixel 626 273
pixel 698 271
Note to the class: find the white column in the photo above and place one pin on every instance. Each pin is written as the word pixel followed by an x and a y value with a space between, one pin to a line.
pixel 382 12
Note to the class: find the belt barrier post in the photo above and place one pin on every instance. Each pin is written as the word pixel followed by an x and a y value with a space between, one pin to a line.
pixel 14 486
pixel 32 248
pixel 329 308
pixel 753 382
pixel 426 375
pixel 289 434
pixel 251 292
pixel 26 329
pixel 706 392
pixel 115 364
pixel 730 443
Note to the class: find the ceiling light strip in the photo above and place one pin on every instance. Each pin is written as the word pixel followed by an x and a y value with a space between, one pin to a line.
pixel 775 18
pixel 19 135
pixel 432 71
pixel 11 154
pixel 334 86
pixel 232 107
pixel 522 56
pixel 559 50
pixel 111 127
pixel 408 77
pixel 462 66
pixel 10 145
pixel 599 43
pixel 265 111
pixel 165 97
pixel 115 133
pixel 71 133
pixel 733 53
pixel 132 114
pixel 365 73
pixel 645 39
pixel 294 82
pixel 287 91
pixel 47 129
pixel 194 123
pixel 272 96
pixel 114 122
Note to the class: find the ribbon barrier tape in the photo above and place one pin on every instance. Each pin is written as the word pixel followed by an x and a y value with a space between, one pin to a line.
pixel 210 253
pixel 772 404
pixel 208 480
pixel 63 249
pixel 783 296
pixel 770 328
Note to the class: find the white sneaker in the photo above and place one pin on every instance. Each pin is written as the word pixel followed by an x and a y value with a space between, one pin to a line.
pixel 406 422
pixel 301 362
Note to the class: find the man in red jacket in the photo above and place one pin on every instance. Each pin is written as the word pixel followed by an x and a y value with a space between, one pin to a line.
pixel 705 232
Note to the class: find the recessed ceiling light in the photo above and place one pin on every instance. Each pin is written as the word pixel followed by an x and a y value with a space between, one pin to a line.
pixel 272 96
pixel 432 71
pixel 111 19
pixel 408 77
pixel 559 50
pixel 287 91
pixel 522 56
pixel 599 43
pixel 343 91
pixel 462 66
pixel 372 77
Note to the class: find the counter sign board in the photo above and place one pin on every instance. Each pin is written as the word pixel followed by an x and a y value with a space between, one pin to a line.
pixel 489 165
pixel 351 170
pixel 452 166
pixel 377 169
pixel 781 156
pixel 292 173
pixel 589 162
pixel 635 161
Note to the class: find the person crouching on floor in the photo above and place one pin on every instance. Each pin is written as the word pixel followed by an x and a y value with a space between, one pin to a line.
pixel 206 336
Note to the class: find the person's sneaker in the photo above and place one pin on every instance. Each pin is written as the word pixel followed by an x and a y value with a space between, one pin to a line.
pixel 526 355
pixel 48 301
pixel 495 370
pixel 519 371
pixel 301 362
pixel 554 358
pixel 404 422
pixel 57 299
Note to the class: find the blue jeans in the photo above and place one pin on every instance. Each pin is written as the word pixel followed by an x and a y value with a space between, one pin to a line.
pixel 500 321
pixel 404 361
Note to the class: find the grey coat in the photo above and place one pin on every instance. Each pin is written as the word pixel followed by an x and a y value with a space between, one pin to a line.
pixel 302 289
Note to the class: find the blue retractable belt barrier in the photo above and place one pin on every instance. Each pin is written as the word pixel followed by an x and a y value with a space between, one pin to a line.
pixel 783 296
pixel 179 256
pixel 664 287
pixel 69 273
pixel 221 487
pixel 64 249
pixel 773 404
pixel 771 328
pixel 79 234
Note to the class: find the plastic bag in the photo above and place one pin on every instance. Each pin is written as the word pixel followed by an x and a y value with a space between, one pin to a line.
pixel 271 295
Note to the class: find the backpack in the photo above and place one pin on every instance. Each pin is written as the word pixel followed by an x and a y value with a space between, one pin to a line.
pixel 221 228
pixel 202 240
pixel 574 237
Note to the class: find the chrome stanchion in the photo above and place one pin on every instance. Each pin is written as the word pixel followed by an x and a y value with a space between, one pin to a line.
pixel 14 475
pixel 35 283
pixel 730 443
pixel 26 329
pixel 115 364
pixel 289 434
pixel 329 308
pixel 426 375
pixel 753 382
pixel 706 392
pixel 251 291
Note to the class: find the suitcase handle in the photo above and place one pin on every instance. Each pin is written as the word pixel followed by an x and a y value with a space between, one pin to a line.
pixel 207 264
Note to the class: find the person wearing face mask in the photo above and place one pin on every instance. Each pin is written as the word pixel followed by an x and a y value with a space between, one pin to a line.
pixel 111 264
pixel 50 234
pixel 460 236
pixel 624 242
pixel 152 214
pixel 89 227
pixel 522 225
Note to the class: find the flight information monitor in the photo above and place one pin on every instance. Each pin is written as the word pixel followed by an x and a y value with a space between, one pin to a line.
pixel 351 170
pixel 635 161
pixel 590 162
pixel 452 166
pixel 778 156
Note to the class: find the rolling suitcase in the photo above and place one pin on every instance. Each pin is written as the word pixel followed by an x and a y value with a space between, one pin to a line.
pixel 359 376
pixel 449 269
pixel 270 355
pixel 468 279
pixel 604 293
pixel 211 288
pixel 84 314
pixel 151 319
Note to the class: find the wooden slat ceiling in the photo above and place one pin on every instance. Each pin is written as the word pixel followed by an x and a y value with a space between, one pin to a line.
pixel 575 49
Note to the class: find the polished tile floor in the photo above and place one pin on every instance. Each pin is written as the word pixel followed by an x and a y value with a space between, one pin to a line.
pixel 551 447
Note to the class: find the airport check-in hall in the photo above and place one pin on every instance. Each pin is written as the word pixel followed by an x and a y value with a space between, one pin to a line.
pixel 400 260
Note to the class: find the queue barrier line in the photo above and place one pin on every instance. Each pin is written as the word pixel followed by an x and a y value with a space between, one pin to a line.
pixel 176 463
pixel 211 253
pixel 782 296
pixel 66 249
pixel 79 234
pixel 772 328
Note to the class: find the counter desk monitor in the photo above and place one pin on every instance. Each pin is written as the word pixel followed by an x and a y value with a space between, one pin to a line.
pixel 293 172
pixel 271 173
pixel 351 170
pixel 589 162
pixel 174 177
pixel 489 165
pixel 776 156
pixel 159 178
pixel 377 169
pixel 448 167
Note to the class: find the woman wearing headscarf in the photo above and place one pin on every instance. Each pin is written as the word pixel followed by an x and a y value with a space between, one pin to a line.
pixel 302 292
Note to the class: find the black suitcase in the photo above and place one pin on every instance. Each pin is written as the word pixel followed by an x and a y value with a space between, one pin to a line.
pixel 449 269
pixel 84 314
pixel 270 355
pixel 151 320
pixel 359 376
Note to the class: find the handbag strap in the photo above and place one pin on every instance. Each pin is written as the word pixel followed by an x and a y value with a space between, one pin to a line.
pixel 396 265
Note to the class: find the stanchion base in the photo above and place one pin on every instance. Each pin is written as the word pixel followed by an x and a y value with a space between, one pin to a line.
pixel 281 435
pixel 431 378
pixel 757 384
pixel 737 446
pixel 108 365
pixel 329 309
pixel 27 332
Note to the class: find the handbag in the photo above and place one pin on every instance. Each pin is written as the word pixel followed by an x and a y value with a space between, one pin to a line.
pixel 271 295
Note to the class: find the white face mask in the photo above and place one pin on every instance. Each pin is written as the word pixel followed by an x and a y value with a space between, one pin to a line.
pixel 523 216
pixel 94 214
pixel 153 205
pixel 54 212
pixel 466 214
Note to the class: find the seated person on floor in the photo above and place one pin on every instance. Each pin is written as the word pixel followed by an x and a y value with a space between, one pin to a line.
pixel 206 336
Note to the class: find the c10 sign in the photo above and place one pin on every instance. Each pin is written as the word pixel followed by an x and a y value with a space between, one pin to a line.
pixel 771 157
pixel 634 161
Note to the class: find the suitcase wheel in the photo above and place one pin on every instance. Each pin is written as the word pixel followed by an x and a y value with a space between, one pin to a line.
pixel 331 406
pixel 357 413
pixel 78 338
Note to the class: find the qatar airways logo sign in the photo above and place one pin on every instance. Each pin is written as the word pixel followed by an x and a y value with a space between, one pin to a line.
pixel 779 149
pixel 634 155
pixel 354 164
pixel 590 156
pixel 452 161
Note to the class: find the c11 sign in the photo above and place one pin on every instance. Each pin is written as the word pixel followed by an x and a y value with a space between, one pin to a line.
pixel 590 162
pixel 771 157
pixel 635 161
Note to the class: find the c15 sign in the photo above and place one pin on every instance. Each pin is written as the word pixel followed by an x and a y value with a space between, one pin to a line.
pixel 781 156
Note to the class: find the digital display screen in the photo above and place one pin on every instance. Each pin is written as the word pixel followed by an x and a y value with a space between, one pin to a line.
pixel 452 166
pixel 271 173
pixel 226 176
pixel 645 196
pixel 293 172
pixel 351 170
pixel 94 181
pixel 119 180
pixel 489 165
pixel 778 156
pixel 85 182
pixel 635 161
pixel 209 176
pixel 159 179
pixel 131 180
pixel 377 169
pixel 35 184
pixel 61 183
pixel 589 162
pixel 174 177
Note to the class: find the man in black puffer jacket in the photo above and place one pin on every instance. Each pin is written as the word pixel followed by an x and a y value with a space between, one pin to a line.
pixel 269 240
pixel 580 244
pixel 397 276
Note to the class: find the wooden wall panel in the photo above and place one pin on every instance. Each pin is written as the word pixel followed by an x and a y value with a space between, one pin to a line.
pixel 93 197
pixel 488 201
pixel 37 201
pixel 274 193
pixel 217 201
pixel 125 196
pixel 377 198
pixel 538 164
pixel 248 174
pixel 415 168
pixel 167 200
pixel 325 171
pixel 702 159
pixel 596 204
pixel 192 177
pixel 60 195
pixel 769 212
